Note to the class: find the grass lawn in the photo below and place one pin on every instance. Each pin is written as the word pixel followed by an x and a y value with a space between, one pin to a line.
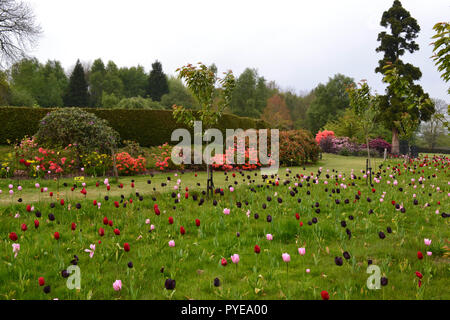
pixel 256 209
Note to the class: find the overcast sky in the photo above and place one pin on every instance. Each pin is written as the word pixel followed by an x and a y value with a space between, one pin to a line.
pixel 299 44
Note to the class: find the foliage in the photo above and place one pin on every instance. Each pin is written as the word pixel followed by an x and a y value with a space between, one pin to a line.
pixel 330 100
pixel 379 145
pixel 201 82
pixel 297 147
pixel 133 148
pixel 127 165
pixel 77 90
pixel 250 95
pixel 138 103
pixel 398 110
pixel 96 164
pixel 276 113
pixel 323 134
pixel 441 49
pixel 157 82
pixel 86 131
pixel 178 95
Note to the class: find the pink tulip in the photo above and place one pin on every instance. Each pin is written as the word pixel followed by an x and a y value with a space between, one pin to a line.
pixel 171 243
pixel 427 241
pixel 302 251
pixel 147 221
pixel 429 253
pixel 226 211
pixel 235 258
pixel 269 237
pixel 286 257
pixel 308 271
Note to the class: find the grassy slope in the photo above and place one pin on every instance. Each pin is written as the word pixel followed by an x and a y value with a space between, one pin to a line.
pixel 194 262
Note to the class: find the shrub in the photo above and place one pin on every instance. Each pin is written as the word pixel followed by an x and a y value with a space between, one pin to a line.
pixel 297 147
pixel 327 145
pixel 97 164
pixel 84 130
pixel 127 165
pixel 133 148
pixel 138 103
pixel 379 145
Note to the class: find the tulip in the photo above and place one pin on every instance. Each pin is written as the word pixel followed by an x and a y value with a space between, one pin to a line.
pixel 126 247
pixel 171 243
pixel 41 281
pixel 269 237
pixel 302 251
pixel 427 242
pixel 325 295
pixel 117 285
pixel 235 258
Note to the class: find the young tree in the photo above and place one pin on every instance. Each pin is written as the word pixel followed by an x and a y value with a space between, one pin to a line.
pixel 403 32
pixel 201 81
pixel 18 30
pixel 157 82
pixel 77 90
pixel 365 106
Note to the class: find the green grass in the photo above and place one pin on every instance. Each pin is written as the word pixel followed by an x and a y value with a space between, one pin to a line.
pixel 195 260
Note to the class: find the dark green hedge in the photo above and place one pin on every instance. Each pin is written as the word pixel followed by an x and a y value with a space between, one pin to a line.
pixel 148 127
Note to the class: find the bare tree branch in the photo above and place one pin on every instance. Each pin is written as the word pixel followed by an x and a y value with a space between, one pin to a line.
pixel 18 31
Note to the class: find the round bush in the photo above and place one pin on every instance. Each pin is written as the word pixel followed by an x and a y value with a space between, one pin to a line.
pixel 297 147
pixel 73 126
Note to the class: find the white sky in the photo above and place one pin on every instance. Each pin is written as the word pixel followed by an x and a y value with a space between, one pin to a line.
pixel 296 43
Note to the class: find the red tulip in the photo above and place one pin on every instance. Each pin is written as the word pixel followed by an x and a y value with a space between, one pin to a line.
pixel 132 184
pixel 325 295
pixel 101 232
pixel 130 201
pixel 420 283
pixel 36 224
pixel 94 202
pixel 108 187
pixel 110 223
pixel 41 281
pixel 223 262
pixel 105 221
pixel 197 222
pixel 13 236
pixel 73 226
pixel 419 255
pixel 117 232
pixel 170 220
pixel 121 186
pixel 257 249
pixel 23 227
pixel 186 195
pixel 301 224
pixel 419 275
pixel 116 204
pixel 97 184
pixel 126 247
pixel 157 212
pixel 297 216
pixel 61 202
pixel 182 230
pixel 56 235
pixel 51 194
pixel 28 208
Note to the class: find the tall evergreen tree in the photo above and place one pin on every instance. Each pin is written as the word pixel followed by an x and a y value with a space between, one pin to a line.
pixel 157 82
pixel 403 30
pixel 77 90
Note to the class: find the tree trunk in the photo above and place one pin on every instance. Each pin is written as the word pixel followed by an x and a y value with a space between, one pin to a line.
pixel 116 174
pixel 395 142
pixel 368 151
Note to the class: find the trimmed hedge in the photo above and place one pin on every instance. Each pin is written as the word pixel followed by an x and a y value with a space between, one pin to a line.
pixel 148 127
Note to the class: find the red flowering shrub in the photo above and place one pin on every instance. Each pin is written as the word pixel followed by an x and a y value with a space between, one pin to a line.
pixel 379 145
pixel 127 165
pixel 323 134
pixel 251 160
